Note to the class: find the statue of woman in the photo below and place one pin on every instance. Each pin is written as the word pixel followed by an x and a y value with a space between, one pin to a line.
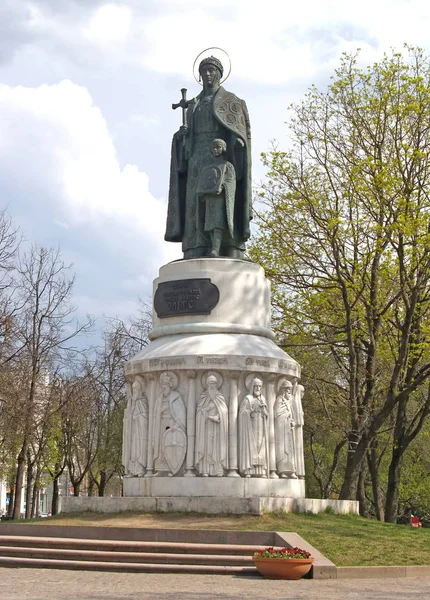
pixel 213 114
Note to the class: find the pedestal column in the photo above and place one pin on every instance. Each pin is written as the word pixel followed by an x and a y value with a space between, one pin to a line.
pixel 271 397
pixel 191 424
pixel 232 427
pixel 151 402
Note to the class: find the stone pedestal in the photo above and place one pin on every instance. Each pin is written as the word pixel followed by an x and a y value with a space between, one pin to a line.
pixel 217 408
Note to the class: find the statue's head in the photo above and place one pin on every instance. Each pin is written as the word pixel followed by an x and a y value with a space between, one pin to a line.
pixel 287 388
pixel 212 382
pixel 166 382
pixel 219 147
pixel 256 386
pixel 211 71
pixel 138 386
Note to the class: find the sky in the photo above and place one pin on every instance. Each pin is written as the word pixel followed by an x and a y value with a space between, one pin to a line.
pixel 86 88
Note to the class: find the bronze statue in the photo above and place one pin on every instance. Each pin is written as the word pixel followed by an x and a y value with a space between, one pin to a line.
pixel 198 173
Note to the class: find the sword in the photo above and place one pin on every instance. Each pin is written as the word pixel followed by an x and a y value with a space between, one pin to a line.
pixel 183 103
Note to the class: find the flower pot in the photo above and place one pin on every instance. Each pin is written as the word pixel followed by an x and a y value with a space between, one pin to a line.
pixel 283 568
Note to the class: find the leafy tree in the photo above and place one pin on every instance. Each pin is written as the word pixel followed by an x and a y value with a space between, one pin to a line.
pixel 345 238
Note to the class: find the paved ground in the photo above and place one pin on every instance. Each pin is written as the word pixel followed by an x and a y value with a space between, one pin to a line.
pixel 43 584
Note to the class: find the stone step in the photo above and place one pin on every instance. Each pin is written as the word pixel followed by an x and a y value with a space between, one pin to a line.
pixel 127 546
pixel 40 563
pixel 131 557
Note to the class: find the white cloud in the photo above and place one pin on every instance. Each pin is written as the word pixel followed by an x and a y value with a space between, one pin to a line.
pixel 110 23
pixel 69 133
pixel 271 44
pixel 56 148
pixel 279 42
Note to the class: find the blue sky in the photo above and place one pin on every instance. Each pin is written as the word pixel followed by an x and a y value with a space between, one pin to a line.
pixel 86 88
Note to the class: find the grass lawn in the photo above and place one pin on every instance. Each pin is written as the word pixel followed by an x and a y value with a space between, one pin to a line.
pixel 344 539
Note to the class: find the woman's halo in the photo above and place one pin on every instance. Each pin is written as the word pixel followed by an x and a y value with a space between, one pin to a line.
pixel 210 53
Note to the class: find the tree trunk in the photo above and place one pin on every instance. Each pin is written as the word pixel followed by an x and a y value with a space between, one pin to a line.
pixel 361 494
pixel 378 499
pixel 76 488
pixel 333 469
pixel 91 486
pixel 11 499
pixel 354 460
pixel 19 480
pixel 103 482
pixel 28 488
pixel 393 487
pixel 55 496
pixel 36 500
pixel 35 503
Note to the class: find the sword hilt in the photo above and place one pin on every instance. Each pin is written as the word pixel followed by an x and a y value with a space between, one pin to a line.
pixel 183 103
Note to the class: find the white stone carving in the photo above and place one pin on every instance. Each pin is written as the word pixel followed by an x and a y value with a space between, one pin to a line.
pixel 232 424
pixel 191 434
pixel 254 430
pixel 191 423
pixel 135 432
pixel 138 428
pixel 284 430
pixel 298 431
pixel 126 432
pixel 211 451
pixel 170 440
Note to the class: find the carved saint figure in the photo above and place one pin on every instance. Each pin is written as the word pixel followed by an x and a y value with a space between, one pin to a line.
pixel 284 431
pixel 170 441
pixel 211 454
pixel 139 428
pixel 298 431
pixel 254 433
pixel 126 430
pixel 213 114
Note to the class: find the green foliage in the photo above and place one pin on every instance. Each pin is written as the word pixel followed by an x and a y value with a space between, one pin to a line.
pixel 344 237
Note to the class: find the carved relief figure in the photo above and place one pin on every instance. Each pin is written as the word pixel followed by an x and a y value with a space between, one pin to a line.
pixel 298 431
pixel 170 441
pixel 211 453
pixel 126 431
pixel 254 432
pixel 284 430
pixel 138 428
pixel 214 113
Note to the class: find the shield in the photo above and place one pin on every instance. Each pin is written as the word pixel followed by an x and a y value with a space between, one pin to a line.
pixel 175 448
pixel 211 180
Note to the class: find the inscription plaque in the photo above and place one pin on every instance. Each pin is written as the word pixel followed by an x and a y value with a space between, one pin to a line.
pixel 185 297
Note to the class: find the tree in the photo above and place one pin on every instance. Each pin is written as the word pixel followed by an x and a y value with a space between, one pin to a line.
pixel 43 329
pixel 345 239
pixel 122 339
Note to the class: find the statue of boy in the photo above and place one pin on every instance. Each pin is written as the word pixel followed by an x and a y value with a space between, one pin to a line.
pixel 216 188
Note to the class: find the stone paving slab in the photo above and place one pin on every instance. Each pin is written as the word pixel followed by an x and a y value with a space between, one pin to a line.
pixel 38 584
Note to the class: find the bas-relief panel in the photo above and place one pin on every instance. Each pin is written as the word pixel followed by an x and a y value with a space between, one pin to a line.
pixel 248 425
